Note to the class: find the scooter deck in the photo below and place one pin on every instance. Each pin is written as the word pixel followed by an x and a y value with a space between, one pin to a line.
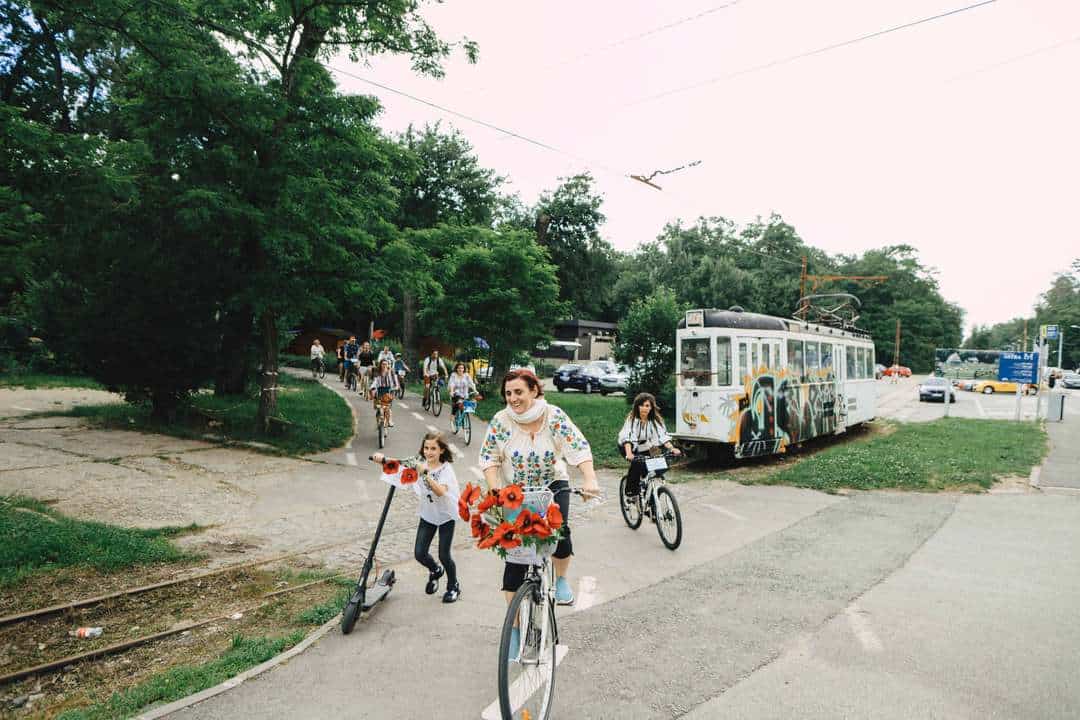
pixel 379 590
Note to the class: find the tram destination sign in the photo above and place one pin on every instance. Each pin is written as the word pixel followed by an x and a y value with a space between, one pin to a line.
pixel 1018 367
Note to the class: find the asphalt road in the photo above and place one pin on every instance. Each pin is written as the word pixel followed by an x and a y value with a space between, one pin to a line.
pixel 781 603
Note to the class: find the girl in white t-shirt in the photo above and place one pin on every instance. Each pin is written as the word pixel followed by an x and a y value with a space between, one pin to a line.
pixel 439 492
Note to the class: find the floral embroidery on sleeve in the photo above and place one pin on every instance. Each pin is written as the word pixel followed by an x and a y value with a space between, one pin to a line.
pixel 573 445
pixel 491 451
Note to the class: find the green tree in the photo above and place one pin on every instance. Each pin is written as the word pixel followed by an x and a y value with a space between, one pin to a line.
pixel 567 223
pixel 498 285
pixel 647 344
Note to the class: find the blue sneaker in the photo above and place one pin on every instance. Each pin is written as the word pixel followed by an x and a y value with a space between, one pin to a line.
pixel 563 594
pixel 515 644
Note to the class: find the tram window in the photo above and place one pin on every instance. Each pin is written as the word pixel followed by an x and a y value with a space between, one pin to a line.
pixel 860 363
pixel 744 360
pixel 775 364
pixel 869 366
pixel 826 359
pixel 812 361
pixel 723 361
pixel 851 373
pixel 696 364
pixel 795 358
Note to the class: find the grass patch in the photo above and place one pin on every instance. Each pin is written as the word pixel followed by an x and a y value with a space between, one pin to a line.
pixel 953 453
pixel 323 612
pixel 316 418
pixel 38 539
pixel 39 381
pixel 599 418
pixel 182 681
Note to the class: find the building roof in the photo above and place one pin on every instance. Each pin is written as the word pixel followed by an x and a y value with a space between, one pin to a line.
pixel 586 324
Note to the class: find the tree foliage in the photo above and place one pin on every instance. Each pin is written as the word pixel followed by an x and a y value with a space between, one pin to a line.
pixel 647 344
pixel 498 285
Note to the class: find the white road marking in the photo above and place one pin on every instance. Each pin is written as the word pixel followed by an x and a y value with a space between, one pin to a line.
pixel 432 428
pixel 476 471
pixel 402 405
pixel 456 450
pixel 350 458
pixel 979 405
pixel 519 690
pixel 725 511
pixel 587 595
pixel 418 416
pixel 18 407
pixel 861 627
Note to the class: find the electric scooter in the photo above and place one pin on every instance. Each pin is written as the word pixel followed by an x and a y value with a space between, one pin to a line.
pixel 363 598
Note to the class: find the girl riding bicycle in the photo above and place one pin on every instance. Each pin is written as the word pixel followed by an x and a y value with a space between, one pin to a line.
pixel 438 491
pixel 642 432
pixel 530 443
pixel 462 388
pixel 382 392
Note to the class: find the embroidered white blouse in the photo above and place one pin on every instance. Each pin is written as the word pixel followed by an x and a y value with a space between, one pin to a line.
pixel 643 436
pixel 534 460
pixel 438 510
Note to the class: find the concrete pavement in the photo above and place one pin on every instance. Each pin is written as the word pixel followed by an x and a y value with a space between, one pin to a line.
pixel 1062 466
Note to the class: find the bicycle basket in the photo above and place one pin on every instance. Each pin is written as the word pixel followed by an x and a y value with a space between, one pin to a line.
pixel 469 406
pixel 536 499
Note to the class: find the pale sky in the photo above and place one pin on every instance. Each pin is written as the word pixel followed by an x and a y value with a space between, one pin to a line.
pixel 959 136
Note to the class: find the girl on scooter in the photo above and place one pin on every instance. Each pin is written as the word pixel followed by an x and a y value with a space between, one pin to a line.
pixel 438 491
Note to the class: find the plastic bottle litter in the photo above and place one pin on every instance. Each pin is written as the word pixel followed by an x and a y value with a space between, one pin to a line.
pixel 87 632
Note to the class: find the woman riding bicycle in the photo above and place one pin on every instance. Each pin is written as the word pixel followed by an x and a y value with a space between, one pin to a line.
pixel 462 388
pixel 642 432
pixel 382 392
pixel 530 443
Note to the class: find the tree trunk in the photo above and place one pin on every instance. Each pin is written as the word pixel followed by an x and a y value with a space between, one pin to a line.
pixel 268 378
pixel 234 360
pixel 408 330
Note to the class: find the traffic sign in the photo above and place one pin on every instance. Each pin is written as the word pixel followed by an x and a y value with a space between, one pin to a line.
pixel 1018 367
pixel 1050 332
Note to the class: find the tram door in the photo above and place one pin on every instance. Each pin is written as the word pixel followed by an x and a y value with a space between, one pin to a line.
pixel 759 362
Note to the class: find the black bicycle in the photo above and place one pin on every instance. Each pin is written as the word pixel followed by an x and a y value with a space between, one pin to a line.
pixel 318 368
pixel 350 375
pixel 654 499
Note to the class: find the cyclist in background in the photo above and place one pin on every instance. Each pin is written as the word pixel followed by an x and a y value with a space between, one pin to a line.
pixel 366 360
pixel 400 368
pixel 352 349
pixel 385 354
pixel 462 388
pixel 383 386
pixel 434 367
pixel 317 353
pixel 341 360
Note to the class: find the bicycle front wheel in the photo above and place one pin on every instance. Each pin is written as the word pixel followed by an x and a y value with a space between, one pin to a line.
pixel 380 425
pixel 668 518
pixel 436 402
pixel 466 425
pixel 630 506
pixel 527 672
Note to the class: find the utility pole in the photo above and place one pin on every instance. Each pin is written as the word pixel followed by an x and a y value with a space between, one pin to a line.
pixel 1024 346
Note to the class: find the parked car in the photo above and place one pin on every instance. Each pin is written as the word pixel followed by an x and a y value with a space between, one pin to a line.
pixel 606 367
pixel 572 376
pixel 1071 381
pixel 935 388
pixel 615 381
pixel 879 371
pixel 966 383
pixel 898 370
pixel 989 387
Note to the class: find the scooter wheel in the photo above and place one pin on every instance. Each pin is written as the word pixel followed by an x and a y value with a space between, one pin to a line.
pixel 350 614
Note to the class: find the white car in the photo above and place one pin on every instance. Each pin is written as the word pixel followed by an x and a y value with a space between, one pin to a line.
pixel 615 381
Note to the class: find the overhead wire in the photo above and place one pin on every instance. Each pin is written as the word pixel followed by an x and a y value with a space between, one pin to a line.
pixel 1015 58
pixel 800 56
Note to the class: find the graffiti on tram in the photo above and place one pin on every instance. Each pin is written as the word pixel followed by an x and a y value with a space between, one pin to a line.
pixel 778 409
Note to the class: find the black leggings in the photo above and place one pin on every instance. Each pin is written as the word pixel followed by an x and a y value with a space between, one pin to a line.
pixel 633 477
pixel 513 573
pixel 425 533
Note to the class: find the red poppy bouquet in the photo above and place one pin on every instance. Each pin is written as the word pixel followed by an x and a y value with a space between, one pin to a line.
pixel 501 520
pixel 400 472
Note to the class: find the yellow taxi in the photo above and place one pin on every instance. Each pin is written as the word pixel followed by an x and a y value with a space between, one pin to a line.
pixel 989 387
